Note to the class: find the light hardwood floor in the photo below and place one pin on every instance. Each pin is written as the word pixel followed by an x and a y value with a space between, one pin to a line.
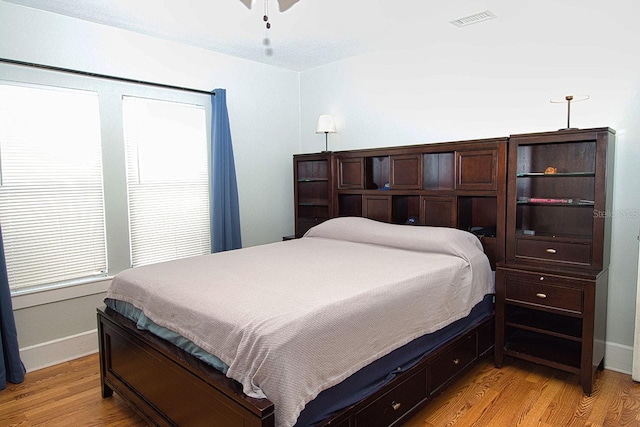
pixel 519 394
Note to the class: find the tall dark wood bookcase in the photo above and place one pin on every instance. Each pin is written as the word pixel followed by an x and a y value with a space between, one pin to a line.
pixel 551 290
pixel 313 190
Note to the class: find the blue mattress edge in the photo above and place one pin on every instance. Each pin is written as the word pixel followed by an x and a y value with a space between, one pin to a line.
pixel 143 323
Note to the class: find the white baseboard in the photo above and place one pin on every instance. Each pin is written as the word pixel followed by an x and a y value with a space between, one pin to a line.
pixel 618 357
pixel 58 351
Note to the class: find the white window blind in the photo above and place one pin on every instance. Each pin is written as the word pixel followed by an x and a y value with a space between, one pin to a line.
pixel 51 194
pixel 167 180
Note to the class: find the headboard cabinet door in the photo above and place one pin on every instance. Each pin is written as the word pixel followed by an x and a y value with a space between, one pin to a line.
pixel 439 211
pixel 477 170
pixel 406 172
pixel 377 207
pixel 350 173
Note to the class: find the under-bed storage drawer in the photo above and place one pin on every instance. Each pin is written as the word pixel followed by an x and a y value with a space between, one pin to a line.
pixel 389 407
pixel 452 361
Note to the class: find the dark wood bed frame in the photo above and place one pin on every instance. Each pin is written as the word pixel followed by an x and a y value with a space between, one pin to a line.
pixel 167 386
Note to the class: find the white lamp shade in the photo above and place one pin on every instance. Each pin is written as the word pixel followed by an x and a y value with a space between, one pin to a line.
pixel 326 124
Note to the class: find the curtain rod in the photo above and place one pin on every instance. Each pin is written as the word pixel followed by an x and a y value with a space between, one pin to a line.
pixel 102 76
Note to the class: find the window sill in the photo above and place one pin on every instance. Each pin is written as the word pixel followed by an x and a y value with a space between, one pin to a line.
pixel 39 296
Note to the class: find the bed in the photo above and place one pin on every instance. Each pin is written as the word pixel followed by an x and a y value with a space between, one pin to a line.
pixel 357 323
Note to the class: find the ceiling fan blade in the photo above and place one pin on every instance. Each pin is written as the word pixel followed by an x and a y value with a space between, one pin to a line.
pixel 282 4
pixel 285 4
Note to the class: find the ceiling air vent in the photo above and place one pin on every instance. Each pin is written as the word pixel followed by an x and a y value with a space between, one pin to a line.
pixel 474 19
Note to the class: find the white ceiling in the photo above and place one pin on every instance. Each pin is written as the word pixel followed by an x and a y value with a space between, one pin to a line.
pixel 310 34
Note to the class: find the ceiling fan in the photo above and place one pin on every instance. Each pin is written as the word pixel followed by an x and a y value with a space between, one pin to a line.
pixel 283 5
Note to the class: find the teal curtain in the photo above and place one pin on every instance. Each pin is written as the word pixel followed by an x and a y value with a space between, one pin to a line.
pixel 11 367
pixel 225 209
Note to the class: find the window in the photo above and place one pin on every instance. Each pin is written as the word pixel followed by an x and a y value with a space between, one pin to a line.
pixel 167 180
pixel 51 193
pixel 97 176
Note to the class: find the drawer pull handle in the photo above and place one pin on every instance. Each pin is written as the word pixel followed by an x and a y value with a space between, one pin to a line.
pixel 551 251
pixel 456 361
pixel 541 295
pixel 395 405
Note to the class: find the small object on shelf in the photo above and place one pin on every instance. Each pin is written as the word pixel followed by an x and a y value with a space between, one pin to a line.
pixel 545 200
pixel 550 170
pixel 483 231
pixel 412 220
pixel 529 232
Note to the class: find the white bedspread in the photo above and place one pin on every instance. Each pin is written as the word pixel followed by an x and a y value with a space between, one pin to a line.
pixel 294 318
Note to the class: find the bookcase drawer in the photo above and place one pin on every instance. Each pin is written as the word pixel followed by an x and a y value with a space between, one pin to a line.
pixel 541 291
pixel 554 251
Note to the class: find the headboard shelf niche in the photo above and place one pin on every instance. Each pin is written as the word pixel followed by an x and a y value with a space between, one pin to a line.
pixel 458 184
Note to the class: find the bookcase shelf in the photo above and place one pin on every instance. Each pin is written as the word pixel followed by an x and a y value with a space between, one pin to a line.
pixel 554 175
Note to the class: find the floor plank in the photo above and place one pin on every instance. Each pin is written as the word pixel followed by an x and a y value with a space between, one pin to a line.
pixel 525 394
pixel 519 394
pixel 67 394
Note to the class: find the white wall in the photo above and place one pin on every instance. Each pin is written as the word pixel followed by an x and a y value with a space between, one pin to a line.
pixel 264 111
pixel 495 79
